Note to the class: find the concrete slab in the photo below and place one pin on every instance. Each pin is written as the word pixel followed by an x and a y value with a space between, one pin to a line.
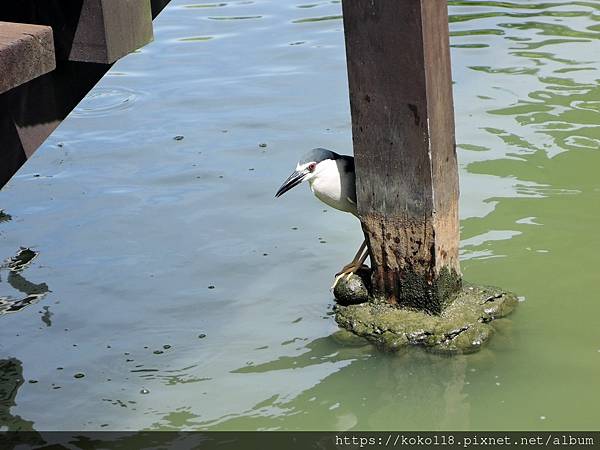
pixel 26 52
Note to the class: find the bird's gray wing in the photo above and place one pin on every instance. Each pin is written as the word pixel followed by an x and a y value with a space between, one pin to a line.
pixel 348 178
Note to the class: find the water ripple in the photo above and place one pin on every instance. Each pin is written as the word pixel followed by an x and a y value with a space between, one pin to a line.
pixel 105 101
pixel 206 5
pixel 196 39
pixel 317 19
pixel 234 17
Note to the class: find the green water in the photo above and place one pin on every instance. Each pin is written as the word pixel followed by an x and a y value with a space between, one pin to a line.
pixel 133 227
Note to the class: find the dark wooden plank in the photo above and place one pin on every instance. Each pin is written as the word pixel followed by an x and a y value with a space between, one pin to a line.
pixel 26 52
pixel 403 132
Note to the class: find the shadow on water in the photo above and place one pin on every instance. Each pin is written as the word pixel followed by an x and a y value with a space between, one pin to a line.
pixel 371 390
pixel 11 379
pixel 4 217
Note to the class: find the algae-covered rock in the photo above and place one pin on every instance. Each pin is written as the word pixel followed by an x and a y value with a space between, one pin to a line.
pixel 346 338
pixel 354 289
pixel 462 327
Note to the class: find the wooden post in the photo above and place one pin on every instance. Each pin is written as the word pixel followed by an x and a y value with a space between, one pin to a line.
pixel 403 131
pixel 110 29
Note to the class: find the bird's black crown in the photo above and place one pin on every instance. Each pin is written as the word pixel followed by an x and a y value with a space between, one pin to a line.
pixel 317 155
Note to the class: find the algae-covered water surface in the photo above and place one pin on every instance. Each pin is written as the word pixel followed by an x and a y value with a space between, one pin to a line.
pixel 170 290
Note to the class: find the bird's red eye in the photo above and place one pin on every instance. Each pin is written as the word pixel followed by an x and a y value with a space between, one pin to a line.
pixel 312 167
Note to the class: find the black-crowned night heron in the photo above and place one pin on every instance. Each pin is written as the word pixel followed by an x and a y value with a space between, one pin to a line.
pixel 333 181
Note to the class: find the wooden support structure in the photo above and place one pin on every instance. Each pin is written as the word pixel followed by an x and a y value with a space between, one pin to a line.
pixel 89 35
pixel 98 31
pixel 110 29
pixel 405 155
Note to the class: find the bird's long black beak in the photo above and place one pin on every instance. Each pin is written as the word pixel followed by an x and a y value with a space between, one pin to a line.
pixel 293 180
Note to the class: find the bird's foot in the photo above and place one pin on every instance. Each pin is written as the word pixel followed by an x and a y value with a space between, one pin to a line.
pixel 346 272
pixel 345 269
pixel 349 269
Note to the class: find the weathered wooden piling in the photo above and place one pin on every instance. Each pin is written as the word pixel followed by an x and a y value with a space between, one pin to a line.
pixel 403 131
pixel 400 82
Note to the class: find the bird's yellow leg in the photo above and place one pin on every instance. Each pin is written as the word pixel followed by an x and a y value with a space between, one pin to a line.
pixel 356 264
pixel 353 262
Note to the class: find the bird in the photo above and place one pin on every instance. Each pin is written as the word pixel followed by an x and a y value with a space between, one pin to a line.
pixel 332 179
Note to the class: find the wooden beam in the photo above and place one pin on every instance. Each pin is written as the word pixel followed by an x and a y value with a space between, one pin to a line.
pixel 26 52
pixel 97 31
pixel 88 35
pixel 405 155
pixel 110 29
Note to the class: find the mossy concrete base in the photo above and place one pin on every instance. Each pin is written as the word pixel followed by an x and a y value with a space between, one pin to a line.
pixel 462 327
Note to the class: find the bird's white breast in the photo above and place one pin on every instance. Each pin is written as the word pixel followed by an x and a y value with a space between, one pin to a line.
pixel 327 186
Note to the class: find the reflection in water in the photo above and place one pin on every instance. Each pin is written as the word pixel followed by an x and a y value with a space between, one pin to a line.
pixel 196 39
pixel 562 184
pixel 411 389
pixel 207 5
pixel 323 350
pixel 372 389
pixel 566 111
pixel 415 388
pixel 235 17
pixel 21 260
pixel 11 379
pixel 318 19
pixel 47 316
pixel 33 292
pixel 4 217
